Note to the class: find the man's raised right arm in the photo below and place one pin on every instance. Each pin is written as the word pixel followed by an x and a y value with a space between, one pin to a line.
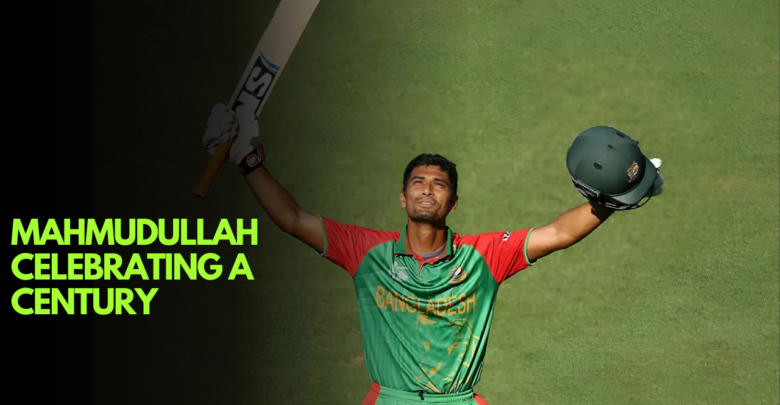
pixel 275 200
pixel 284 211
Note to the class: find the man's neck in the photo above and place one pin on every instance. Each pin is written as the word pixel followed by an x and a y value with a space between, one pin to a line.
pixel 423 237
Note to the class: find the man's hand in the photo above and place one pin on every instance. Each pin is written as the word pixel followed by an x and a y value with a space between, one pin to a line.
pixel 275 200
pixel 658 185
pixel 221 126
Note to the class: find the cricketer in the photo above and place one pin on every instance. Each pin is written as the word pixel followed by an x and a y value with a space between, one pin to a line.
pixel 425 293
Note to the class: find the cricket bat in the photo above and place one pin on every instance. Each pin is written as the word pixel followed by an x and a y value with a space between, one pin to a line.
pixel 267 62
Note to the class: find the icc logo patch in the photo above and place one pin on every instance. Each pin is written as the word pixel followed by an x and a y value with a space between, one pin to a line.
pixel 397 273
pixel 457 275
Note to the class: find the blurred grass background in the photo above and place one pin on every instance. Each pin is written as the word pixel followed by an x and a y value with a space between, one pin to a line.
pixel 677 302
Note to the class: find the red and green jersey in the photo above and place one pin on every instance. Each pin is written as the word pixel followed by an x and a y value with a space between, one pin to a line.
pixel 425 323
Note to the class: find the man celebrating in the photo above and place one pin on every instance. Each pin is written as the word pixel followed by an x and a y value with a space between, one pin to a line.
pixel 426 294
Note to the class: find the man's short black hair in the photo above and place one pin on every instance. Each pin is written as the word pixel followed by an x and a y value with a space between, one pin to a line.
pixel 427 159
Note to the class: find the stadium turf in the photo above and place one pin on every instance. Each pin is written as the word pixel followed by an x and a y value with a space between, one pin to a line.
pixel 676 303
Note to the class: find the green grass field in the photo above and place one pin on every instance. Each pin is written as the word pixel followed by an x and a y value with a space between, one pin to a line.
pixel 676 303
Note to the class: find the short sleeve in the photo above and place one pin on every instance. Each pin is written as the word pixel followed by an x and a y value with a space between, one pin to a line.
pixel 505 252
pixel 347 245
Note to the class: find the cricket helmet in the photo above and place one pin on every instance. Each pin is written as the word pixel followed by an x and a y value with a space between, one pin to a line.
pixel 607 166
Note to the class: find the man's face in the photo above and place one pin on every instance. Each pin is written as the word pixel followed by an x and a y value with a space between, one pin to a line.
pixel 427 195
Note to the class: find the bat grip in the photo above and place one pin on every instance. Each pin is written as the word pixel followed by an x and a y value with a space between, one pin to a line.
pixel 208 176
pixel 207 179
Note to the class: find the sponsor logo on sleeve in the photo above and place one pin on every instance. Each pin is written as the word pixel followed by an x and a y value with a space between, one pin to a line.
pixel 506 236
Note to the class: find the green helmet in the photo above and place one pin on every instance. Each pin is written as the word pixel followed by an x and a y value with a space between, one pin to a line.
pixel 607 167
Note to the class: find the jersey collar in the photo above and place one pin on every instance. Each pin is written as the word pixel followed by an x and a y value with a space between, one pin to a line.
pixel 400 249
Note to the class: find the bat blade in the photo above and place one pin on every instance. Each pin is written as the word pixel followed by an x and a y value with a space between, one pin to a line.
pixel 266 64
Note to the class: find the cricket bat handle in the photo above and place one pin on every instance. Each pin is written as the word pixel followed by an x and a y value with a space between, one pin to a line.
pixel 271 54
pixel 208 176
pixel 207 179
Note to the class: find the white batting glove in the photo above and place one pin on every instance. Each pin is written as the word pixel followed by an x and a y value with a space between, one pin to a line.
pixel 658 186
pixel 220 127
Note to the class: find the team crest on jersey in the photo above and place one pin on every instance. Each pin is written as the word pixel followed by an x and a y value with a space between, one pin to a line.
pixel 457 275
pixel 397 273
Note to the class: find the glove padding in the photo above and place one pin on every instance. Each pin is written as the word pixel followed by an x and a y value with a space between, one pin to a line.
pixel 221 126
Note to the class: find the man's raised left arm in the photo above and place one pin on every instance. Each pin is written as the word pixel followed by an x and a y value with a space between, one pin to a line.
pixel 575 224
pixel 567 230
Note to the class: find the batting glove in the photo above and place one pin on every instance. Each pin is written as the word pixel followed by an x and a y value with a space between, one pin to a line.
pixel 658 186
pixel 221 126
